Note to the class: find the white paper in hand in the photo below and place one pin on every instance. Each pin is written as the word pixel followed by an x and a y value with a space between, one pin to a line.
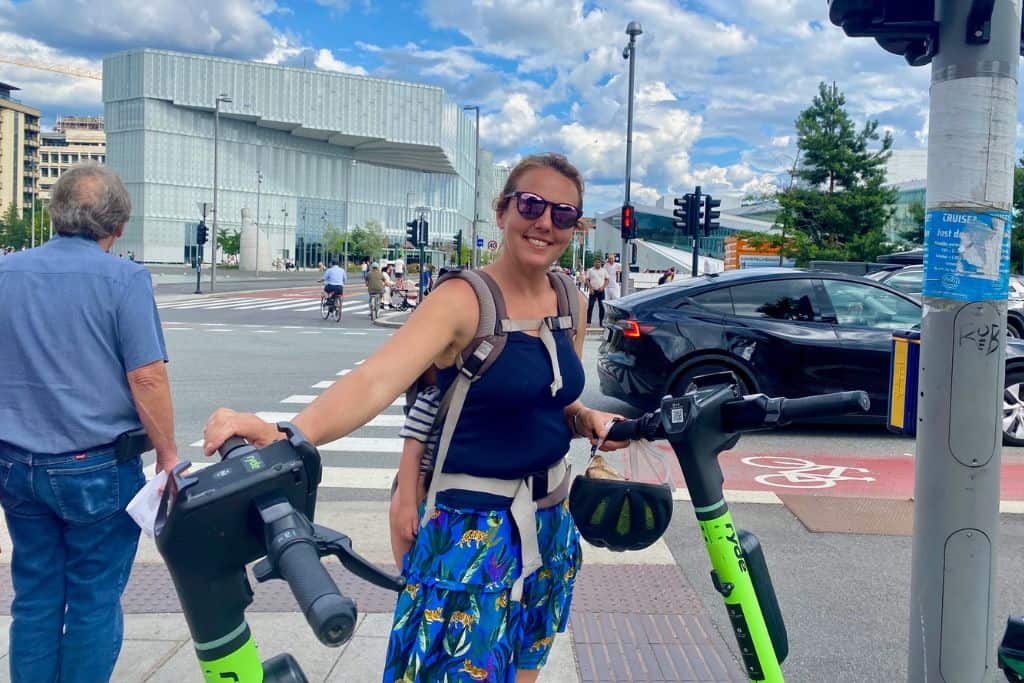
pixel 143 507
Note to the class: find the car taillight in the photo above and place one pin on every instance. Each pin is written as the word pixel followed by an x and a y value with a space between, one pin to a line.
pixel 633 329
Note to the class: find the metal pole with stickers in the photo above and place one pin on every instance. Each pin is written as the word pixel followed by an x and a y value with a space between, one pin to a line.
pixel 973 48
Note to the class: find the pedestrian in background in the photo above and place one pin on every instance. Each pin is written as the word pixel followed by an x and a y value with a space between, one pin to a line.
pixel 668 276
pixel 614 269
pixel 597 279
pixel 84 373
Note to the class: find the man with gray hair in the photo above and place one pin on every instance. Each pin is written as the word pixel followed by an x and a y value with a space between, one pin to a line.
pixel 84 374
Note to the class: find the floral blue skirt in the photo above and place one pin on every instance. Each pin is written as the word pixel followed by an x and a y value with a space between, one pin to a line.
pixel 455 621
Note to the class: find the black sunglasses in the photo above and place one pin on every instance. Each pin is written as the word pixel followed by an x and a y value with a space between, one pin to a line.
pixel 531 206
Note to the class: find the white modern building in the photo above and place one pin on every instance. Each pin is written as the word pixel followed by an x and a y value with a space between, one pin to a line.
pixel 73 140
pixel 334 151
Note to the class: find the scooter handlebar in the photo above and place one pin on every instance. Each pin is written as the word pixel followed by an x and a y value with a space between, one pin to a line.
pixel 331 615
pixel 760 411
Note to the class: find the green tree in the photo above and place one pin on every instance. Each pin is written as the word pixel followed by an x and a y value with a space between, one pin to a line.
pixel 367 241
pixel 1017 234
pixel 15 231
pixel 914 235
pixel 837 207
pixel 334 240
pixel 230 243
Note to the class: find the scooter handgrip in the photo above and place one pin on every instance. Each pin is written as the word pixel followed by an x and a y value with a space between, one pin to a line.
pixel 231 444
pixel 826 405
pixel 624 430
pixel 331 615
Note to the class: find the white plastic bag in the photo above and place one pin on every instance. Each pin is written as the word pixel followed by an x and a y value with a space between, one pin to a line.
pixel 144 506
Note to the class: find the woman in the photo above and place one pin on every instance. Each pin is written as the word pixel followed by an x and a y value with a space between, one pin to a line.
pixel 389 285
pixel 456 617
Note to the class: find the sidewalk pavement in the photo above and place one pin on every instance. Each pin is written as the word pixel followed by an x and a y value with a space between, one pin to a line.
pixel 635 618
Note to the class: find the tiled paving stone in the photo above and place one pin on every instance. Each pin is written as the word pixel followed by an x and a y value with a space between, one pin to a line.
pixel 841 515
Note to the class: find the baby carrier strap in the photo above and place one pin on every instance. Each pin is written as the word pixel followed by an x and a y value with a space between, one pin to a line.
pixel 473 362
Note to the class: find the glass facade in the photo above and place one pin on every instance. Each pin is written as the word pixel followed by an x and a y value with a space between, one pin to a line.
pixel 334 150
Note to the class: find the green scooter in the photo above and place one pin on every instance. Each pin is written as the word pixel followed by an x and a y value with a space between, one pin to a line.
pixel 699 425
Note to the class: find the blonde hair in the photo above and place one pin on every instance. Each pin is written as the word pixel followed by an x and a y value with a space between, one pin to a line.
pixel 555 162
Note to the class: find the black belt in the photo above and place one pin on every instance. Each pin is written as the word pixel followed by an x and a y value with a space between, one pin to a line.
pixel 131 445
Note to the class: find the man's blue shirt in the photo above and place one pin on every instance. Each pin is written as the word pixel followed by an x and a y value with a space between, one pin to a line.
pixel 334 275
pixel 73 321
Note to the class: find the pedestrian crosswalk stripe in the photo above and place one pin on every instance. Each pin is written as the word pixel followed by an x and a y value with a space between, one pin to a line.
pixel 326 384
pixel 353 444
pixel 202 303
pixel 342 373
pixel 383 420
pixel 309 398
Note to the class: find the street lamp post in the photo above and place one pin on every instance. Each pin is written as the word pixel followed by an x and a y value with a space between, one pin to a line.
pixel 259 185
pixel 632 30
pixel 223 97
pixel 348 210
pixel 475 257
pixel 284 232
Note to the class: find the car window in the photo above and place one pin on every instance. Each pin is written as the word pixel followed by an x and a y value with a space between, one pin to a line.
pixel 718 300
pixel 861 305
pixel 907 282
pixel 777 299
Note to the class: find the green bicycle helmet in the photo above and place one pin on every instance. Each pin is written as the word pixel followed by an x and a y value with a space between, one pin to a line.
pixel 619 514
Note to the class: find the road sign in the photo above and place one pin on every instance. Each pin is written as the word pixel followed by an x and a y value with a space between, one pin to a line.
pixel 492 245
pixel 479 242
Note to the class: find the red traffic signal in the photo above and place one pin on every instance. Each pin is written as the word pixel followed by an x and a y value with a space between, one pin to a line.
pixel 628 226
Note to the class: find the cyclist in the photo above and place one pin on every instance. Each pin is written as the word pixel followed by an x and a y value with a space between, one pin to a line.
pixel 375 285
pixel 334 283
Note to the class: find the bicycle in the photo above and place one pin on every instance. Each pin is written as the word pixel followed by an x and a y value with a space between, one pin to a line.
pixel 798 473
pixel 699 425
pixel 375 298
pixel 330 305
pixel 253 504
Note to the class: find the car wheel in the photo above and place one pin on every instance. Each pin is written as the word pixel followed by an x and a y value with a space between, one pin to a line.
pixel 1013 328
pixel 1013 408
pixel 682 383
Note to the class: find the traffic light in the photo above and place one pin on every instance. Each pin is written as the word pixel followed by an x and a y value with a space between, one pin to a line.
pixel 711 215
pixel 905 27
pixel 696 213
pixel 412 232
pixel 682 220
pixel 457 242
pixel 202 233
pixel 424 233
pixel 628 224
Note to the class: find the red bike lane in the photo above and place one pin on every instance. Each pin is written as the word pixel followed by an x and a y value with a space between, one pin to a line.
pixel 798 472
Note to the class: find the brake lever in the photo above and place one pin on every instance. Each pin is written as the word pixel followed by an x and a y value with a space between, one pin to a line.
pixel 331 542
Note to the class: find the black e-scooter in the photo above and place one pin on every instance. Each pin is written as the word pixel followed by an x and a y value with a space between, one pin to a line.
pixel 254 504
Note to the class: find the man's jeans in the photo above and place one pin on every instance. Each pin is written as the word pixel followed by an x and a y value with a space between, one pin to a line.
pixel 73 550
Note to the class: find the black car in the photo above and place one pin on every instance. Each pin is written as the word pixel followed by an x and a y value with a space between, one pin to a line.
pixel 910 281
pixel 783 332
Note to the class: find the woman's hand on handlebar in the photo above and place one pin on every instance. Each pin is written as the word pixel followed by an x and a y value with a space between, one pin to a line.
pixel 225 423
pixel 593 424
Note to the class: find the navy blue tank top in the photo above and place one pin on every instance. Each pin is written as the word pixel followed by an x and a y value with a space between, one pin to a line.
pixel 511 425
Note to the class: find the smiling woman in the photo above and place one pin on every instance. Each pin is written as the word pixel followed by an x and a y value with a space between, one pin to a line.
pixel 491 570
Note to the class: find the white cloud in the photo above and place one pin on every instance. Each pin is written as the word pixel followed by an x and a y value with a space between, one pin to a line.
pixel 232 28
pixel 326 60
pixel 781 141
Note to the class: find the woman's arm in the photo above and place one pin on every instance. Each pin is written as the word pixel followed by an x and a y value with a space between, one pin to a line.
pixel 584 421
pixel 439 327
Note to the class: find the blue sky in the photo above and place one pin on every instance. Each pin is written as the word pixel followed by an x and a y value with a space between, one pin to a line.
pixel 719 84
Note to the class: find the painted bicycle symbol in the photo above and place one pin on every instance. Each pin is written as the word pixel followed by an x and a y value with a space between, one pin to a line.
pixel 797 473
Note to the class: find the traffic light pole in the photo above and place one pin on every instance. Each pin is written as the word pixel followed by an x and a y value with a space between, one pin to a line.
pixel 971 141
pixel 695 222
pixel 632 30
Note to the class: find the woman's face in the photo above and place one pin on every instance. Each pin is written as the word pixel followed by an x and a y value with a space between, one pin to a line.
pixel 538 242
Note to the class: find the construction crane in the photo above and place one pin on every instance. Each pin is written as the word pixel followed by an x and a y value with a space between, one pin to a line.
pixel 57 68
